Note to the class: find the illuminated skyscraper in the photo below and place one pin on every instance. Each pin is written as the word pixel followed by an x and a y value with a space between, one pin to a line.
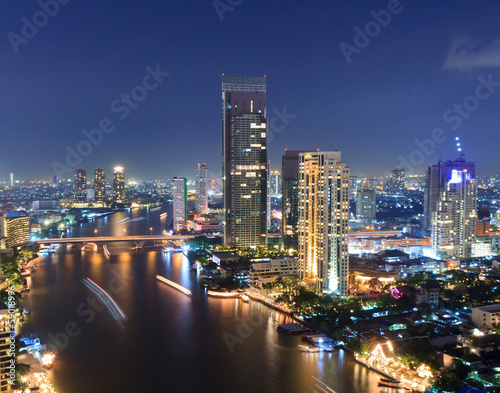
pixel 99 185
pixel 179 194
pixel 118 184
pixel 453 222
pixel 201 187
pixel 436 178
pixel 244 128
pixel 80 185
pixel 290 200
pixel 324 221
pixel 11 179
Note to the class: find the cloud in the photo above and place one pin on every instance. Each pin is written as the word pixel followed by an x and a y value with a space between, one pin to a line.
pixel 465 54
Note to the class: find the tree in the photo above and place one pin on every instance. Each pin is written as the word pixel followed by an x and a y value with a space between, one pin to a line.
pixel 447 381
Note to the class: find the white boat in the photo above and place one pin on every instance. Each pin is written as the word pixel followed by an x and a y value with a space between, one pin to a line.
pixel 322 348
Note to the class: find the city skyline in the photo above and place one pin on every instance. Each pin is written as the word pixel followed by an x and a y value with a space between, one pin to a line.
pixel 342 78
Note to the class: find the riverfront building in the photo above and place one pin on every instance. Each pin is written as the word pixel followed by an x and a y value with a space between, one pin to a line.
pixel 118 184
pixel 80 185
pixel 244 129
pixel 324 221
pixel 99 185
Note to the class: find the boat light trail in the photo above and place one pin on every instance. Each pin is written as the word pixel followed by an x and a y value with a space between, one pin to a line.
pixel 174 285
pixel 108 300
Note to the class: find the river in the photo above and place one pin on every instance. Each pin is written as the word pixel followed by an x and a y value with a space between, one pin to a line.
pixel 170 342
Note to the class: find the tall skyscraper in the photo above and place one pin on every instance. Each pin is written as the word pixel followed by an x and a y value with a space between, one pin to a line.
pixel 11 179
pixel 244 128
pixel 436 178
pixel 179 194
pixel 324 221
pixel 290 200
pixel 118 184
pixel 366 205
pixel 99 185
pixel 80 185
pixel 453 222
pixel 201 187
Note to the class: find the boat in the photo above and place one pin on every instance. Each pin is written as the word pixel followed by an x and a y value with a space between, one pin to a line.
pixel 245 298
pixel 390 383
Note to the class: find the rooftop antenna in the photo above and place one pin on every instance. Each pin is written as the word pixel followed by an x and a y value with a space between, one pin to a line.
pixel 459 147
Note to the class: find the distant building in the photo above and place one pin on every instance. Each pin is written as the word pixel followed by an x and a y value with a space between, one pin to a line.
pixel 486 316
pixel 275 183
pixel 366 204
pixel 80 185
pixel 11 179
pixel 99 185
pixel 270 270
pixel 324 221
pixel 396 182
pixel 118 184
pixel 179 195
pixel 201 186
pixel 393 256
pixel 244 129
pixel 47 205
pixel 290 199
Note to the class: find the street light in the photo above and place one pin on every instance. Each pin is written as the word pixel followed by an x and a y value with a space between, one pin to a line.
pixel 151 229
pixel 95 232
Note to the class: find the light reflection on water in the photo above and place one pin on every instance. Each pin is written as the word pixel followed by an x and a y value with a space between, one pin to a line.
pixel 171 342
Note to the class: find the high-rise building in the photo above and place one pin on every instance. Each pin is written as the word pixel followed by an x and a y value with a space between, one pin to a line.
pixel 436 178
pixel 366 203
pixel 80 185
pixel 99 185
pixel 179 195
pixel 275 183
pixel 324 221
pixel 454 219
pixel 201 187
pixel 268 200
pixel 290 200
pixel 118 184
pixel 396 183
pixel 11 179
pixel 244 128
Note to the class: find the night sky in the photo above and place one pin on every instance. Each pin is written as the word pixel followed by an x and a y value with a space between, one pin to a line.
pixel 371 103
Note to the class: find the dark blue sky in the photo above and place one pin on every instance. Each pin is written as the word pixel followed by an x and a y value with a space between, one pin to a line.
pixel 397 88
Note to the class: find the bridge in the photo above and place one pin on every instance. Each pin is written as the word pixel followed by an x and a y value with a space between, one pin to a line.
pixel 139 240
